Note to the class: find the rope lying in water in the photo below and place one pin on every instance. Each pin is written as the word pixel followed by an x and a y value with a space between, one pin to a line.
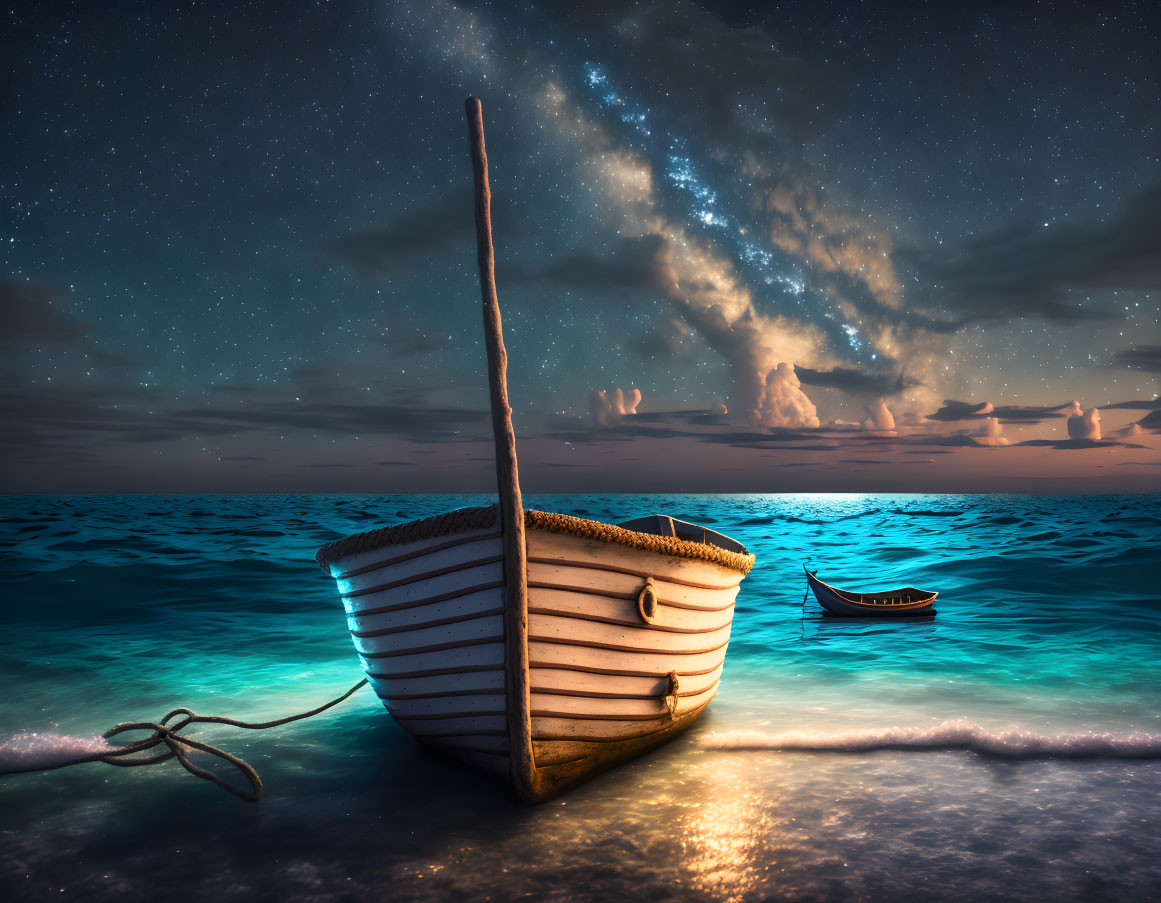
pixel 178 745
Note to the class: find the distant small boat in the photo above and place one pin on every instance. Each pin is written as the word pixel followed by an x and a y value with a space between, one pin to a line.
pixel 894 603
pixel 536 645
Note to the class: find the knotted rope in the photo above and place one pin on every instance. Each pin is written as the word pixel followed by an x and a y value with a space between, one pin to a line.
pixel 178 745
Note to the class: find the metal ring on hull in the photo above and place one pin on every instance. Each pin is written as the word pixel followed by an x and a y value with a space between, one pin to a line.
pixel 647 601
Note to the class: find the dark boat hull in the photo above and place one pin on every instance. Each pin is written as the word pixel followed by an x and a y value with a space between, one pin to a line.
pixel 902 603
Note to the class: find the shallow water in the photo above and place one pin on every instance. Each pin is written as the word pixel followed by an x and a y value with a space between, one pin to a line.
pixel 1049 623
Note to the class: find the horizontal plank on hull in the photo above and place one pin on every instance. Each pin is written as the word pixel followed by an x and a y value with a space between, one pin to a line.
pixel 629 596
pixel 428 551
pixel 421 577
pixel 573 613
pixel 578 551
pixel 571 631
pixel 600 608
pixel 437 647
pixel 561 752
pixel 440 661
pixel 635 572
pixel 453 684
pixel 424 625
pixel 601 731
pixel 416 549
pixel 387 696
pixel 419 615
pixel 417 600
pixel 629 664
pixel 464 712
pixel 616 648
pixel 552 755
pixel 483 726
pixel 568 682
pixel 594 578
pixel 431 639
pixel 546 705
pixel 443 706
pixel 486 744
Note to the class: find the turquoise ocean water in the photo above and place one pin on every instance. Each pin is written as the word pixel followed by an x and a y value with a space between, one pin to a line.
pixel 121 608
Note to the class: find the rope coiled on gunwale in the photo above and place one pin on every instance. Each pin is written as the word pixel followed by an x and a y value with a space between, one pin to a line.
pixel 462 520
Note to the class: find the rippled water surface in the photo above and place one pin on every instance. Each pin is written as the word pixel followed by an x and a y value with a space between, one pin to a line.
pixel 118 608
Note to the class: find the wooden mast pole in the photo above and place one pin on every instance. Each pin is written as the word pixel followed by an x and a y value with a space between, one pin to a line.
pixel 508 478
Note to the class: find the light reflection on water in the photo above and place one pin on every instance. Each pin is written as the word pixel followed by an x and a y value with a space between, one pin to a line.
pixel 722 828
pixel 1049 620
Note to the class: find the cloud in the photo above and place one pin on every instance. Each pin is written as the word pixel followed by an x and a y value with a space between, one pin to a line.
pixel 1070 444
pixel 1132 431
pixel 1141 357
pixel 413 236
pixel 711 302
pixel 80 419
pixel 880 417
pixel 29 317
pixel 641 265
pixel 1134 405
pixel 608 410
pixel 856 381
pixel 1012 413
pixel 743 338
pixel 831 239
pixel 1083 424
pixel 1045 272
pixel 1151 421
pixel 961 410
pixel 965 410
pixel 990 433
pixel 783 403
pixel 668 337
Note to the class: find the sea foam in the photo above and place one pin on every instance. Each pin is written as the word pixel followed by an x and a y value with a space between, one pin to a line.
pixel 948 735
pixel 34 752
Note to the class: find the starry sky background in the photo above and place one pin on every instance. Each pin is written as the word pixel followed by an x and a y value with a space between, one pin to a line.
pixel 833 247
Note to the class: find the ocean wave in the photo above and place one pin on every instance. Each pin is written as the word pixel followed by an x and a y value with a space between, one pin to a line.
pixel 36 752
pixel 949 735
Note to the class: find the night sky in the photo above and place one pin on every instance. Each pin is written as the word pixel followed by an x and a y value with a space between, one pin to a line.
pixel 845 247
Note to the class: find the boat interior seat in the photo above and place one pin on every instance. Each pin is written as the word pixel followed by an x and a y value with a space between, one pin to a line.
pixel 664 525
pixel 912 592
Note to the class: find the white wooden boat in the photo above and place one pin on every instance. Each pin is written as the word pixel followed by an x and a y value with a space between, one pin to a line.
pixel 626 634
pixel 536 645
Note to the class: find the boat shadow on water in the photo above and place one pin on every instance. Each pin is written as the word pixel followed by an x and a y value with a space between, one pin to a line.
pixel 826 626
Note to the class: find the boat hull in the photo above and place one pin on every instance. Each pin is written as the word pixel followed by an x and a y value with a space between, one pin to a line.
pixel 907 604
pixel 613 670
